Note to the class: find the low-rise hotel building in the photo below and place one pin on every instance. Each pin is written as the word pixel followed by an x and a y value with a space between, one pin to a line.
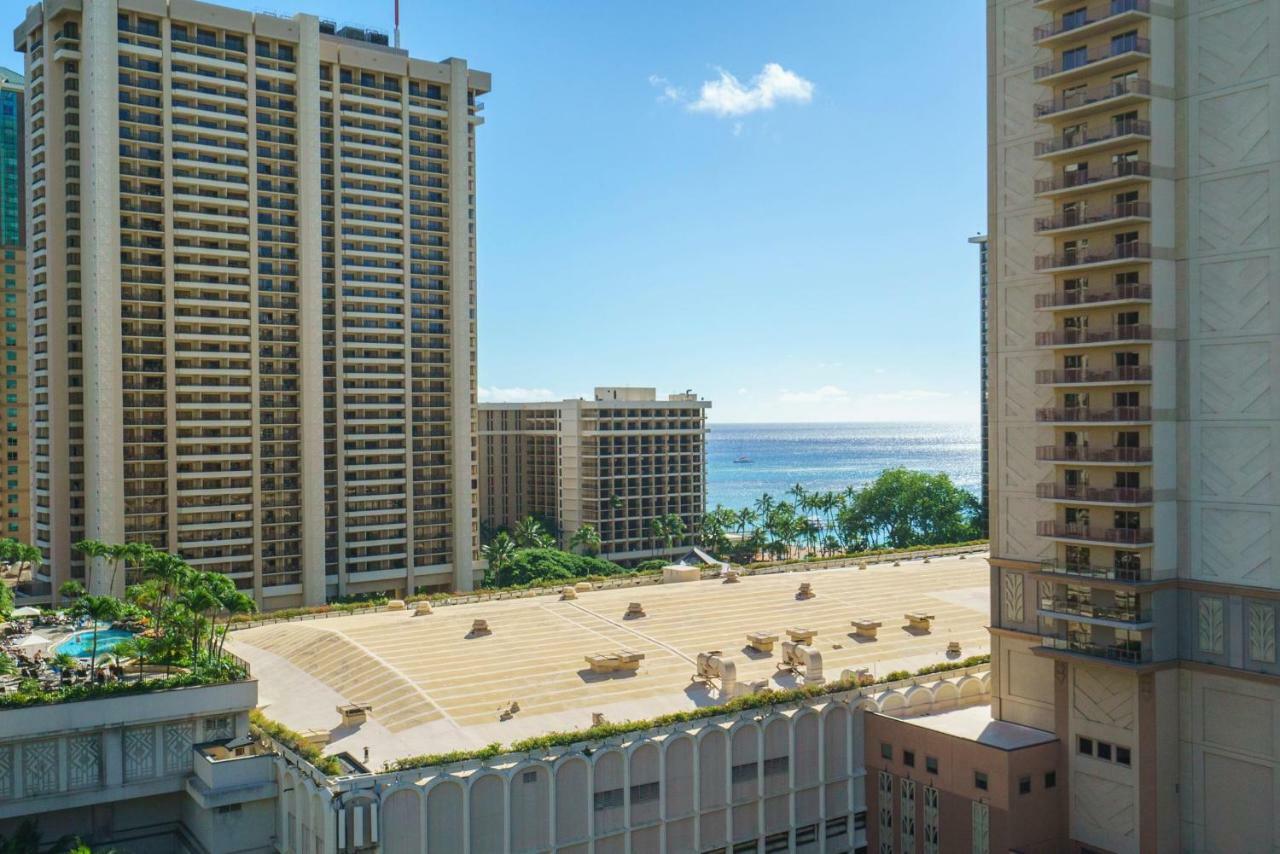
pixel 251 267
pixel 616 462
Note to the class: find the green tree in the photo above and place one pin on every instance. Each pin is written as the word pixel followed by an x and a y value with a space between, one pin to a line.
pixel 71 589
pixel 529 533
pixel 587 538
pixel 499 552
pixel 99 609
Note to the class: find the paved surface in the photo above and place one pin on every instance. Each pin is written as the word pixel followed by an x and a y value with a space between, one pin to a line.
pixel 434 688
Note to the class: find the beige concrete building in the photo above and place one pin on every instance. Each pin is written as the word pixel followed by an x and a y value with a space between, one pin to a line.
pixel 252 274
pixel 16 492
pixel 615 462
pixel 1134 258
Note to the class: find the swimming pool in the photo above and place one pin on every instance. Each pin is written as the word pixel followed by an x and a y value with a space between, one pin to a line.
pixel 80 645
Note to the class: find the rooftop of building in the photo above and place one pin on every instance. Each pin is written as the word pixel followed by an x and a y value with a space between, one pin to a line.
pixel 611 396
pixel 10 77
pixel 434 687
pixel 974 723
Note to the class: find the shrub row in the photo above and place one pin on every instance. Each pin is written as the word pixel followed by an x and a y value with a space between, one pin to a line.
pixel 607 730
pixel 328 765
pixel 85 691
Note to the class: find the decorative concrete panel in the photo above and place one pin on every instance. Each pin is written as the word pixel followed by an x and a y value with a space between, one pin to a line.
pixel 1235 296
pixel 1210 625
pixel 40 767
pixel 139 753
pixel 84 761
pixel 1236 463
pixel 1012 599
pixel 1233 46
pixel 1018 531
pixel 178 738
pixel 1017 395
pixel 1235 379
pixel 1239 804
pixel 1235 545
pixel 1262 632
pixel 6 771
pixel 1013 22
pixel 1019 469
pixel 1235 212
pixel 1104 696
pixel 981 818
pixel 1234 129
pixel 1102 808
pixel 1239 722
pixel 1015 92
pixel 1018 243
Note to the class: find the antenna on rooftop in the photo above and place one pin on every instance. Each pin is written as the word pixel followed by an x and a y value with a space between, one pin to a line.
pixel 397 29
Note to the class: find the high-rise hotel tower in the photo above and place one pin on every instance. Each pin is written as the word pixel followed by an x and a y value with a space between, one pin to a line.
pixel 252 281
pixel 1135 410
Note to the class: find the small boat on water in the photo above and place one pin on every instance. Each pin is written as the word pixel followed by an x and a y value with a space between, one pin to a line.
pixel 743 459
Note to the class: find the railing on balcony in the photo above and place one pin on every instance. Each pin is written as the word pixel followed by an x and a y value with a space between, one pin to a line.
pixel 1084 414
pixel 1092 95
pixel 1078 139
pixel 1109 495
pixel 1099 573
pixel 1117 292
pixel 1123 332
pixel 1088 255
pixel 1075 531
pixel 1084 178
pixel 1085 454
pixel 1075 218
pixel 1122 374
pixel 1073 61
pixel 1092 15
pixel 1126 651
pixel 1078 608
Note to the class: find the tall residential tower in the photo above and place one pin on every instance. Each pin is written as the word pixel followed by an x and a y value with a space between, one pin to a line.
pixel 16 492
pixel 252 274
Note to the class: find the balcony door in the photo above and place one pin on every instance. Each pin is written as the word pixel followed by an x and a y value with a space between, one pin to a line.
pixel 1124 84
pixel 1074 135
pixel 1074 291
pixel 1124 123
pixel 1075 174
pixel 1074 367
pixel 1124 42
pixel 1127 520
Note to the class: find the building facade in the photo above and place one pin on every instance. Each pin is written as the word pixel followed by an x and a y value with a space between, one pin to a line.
pixel 983 377
pixel 616 462
pixel 13 287
pixel 252 274
pixel 1134 276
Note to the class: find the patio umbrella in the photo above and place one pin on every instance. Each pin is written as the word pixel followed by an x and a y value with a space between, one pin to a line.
pixel 26 611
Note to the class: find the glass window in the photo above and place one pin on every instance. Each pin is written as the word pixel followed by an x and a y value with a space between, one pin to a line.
pixel 1084 746
pixel 980 780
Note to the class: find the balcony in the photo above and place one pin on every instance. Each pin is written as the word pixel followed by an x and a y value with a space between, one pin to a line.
pixel 1085 256
pixel 1083 337
pixel 1083 219
pixel 1126 575
pixel 1084 376
pixel 1126 130
pixel 1089 610
pixel 1076 24
pixel 1085 454
pixel 1094 494
pixel 1114 173
pixel 1086 415
pixel 1096 59
pixel 1105 95
pixel 1118 293
pixel 1128 652
pixel 1106 536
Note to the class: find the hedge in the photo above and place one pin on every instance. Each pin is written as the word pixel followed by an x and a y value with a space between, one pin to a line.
pixel 327 765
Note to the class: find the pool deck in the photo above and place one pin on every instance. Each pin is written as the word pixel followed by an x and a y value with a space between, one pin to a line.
pixel 434 688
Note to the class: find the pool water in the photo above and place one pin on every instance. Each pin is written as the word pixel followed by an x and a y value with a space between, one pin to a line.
pixel 80 645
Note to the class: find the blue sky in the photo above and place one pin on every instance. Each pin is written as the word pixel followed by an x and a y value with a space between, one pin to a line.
pixel 790 242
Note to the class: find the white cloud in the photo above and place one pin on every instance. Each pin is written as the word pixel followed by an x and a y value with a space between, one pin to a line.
pixel 742 390
pixel 822 366
pixel 515 394
pixel 823 394
pixel 669 92
pixel 727 96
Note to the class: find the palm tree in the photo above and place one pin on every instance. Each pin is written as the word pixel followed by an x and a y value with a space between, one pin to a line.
pixel 764 505
pixel 135 648
pixel 500 551
pixel 587 537
pixel 657 530
pixel 93 551
pixel 746 519
pixel 530 534
pixel 235 602
pixel 100 609
pixel 71 589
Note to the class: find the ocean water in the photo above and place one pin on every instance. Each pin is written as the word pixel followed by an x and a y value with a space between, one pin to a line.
pixel 829 457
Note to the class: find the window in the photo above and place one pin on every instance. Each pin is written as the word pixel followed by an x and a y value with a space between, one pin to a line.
pixel 1050 779
pixel 931 764
pixel 1075 57
pixel 1104 751
pixel 1024 785
pixel 909 758
pixel 529 777
pixel 746 847
pixel 1123 757
pixel 608 799
pixel 1084 746
pixel 980 780
pixel 744 773
pixel 776 766
pixel 807 835
pixel 837 826
pixel 886 750
pixel 643 793
pixel 778 843
pixel 859 820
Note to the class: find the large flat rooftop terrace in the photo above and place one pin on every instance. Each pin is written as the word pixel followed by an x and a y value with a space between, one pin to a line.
pixel 434 688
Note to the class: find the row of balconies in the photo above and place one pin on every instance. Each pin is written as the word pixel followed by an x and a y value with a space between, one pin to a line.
pixel 1095 494
pixel 1085 414
pixel 1077 337
pixel 1076 376
pixel 1115 293
pixel 1085 532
